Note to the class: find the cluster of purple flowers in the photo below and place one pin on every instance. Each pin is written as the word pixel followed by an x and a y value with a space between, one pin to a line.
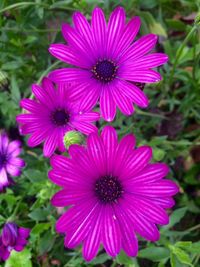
pixel 113 190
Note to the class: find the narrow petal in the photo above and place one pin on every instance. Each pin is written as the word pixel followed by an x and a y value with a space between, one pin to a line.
pixel 84 127
pixel 164 202
pixel 122 102
pixel 82 227
pixel 139 48
pixel 147 62
pixel 65 198
pixel 14 148
pixel 149 210
pixel 141 225
pixel 116 25
pixel 24 232
pixel 141 76
pixel 98 23
pixel 74 39
pixel 18 162
pixel 13 170
pixel 107 104
pixel 109 137
pixel 92 241
pixel 129 239
pixel 50 144
pixel 38 137
pixel 151 173
pixel 133 93
pixel 67 54
pixel 75 215
pixel 138 160
pixel 111 234
pixel 164 188
pixel 96 152
pixel 124 150
pixel 3 178
pixel 42 95
pixel 83 27
pixel 90 97
pixel 30 105
pixel 69 75
pixel 87 116
pixel 130 31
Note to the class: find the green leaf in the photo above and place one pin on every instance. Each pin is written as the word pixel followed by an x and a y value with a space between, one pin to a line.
pixel 40 228
pixel 122 258
pixel 39 215
pixel 182 256
pixel 176 216
pixel 15 89
pixel 154 253
pixel 19 259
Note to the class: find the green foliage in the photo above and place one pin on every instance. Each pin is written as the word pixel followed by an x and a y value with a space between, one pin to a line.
pixel 171 125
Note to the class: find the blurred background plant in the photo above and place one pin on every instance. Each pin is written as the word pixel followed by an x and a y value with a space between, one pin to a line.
pixel 171 125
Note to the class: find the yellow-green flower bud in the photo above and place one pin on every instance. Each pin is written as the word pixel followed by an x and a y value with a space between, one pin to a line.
pixel 72 137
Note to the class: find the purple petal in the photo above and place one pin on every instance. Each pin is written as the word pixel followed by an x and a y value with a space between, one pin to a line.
pixel 107 104
pixel 24 232
pixel 50 144
pixel 122 102
pixel 14 148
pixel 92 241
pixel 109 137
pixel 17 162
pixel 150 173
pixel 116 25
pixel 138 159
pixel 147 62
pixel 69 75
pixel 133 93
pixel 141 76
pixel 99 29
pixel 87 116
pixel 89 98
pixel 12 170
pixel 30 105
pixel 38 137
pixel 130 31
pixel 82 226
pixel 164 188
pixel 111 234
pixel 65 198
pixel 67 54
pixel 74 39
pixel 84 127
pixel 129 239
pixel 96 152
pixel 139 48
pixel 3 178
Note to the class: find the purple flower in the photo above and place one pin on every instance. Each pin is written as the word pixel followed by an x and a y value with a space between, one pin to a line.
pixel 115 192
pixel 9 161
pixel 12 237
pixel 109 62
pixel 51 115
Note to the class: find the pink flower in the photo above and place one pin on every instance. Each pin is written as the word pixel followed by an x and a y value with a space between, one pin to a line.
pixel 114 192
pixel 51 115
pixel 10 164
pixel 12 237
pixel 108 61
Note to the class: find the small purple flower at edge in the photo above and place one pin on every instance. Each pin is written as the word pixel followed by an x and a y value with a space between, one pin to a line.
pixel 12 237
pixel 108 64
pixel 10 163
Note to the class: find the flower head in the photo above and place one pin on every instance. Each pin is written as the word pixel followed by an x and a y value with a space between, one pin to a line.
pixel 51 115
pixel 108 64
pixel 10 164
pixel 114 192
pixel 12 237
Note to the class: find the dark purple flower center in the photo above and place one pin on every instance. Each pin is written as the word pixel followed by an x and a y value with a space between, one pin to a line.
pixel 104 70
pixel 108 189
pixel 60 117
pixel 3 159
